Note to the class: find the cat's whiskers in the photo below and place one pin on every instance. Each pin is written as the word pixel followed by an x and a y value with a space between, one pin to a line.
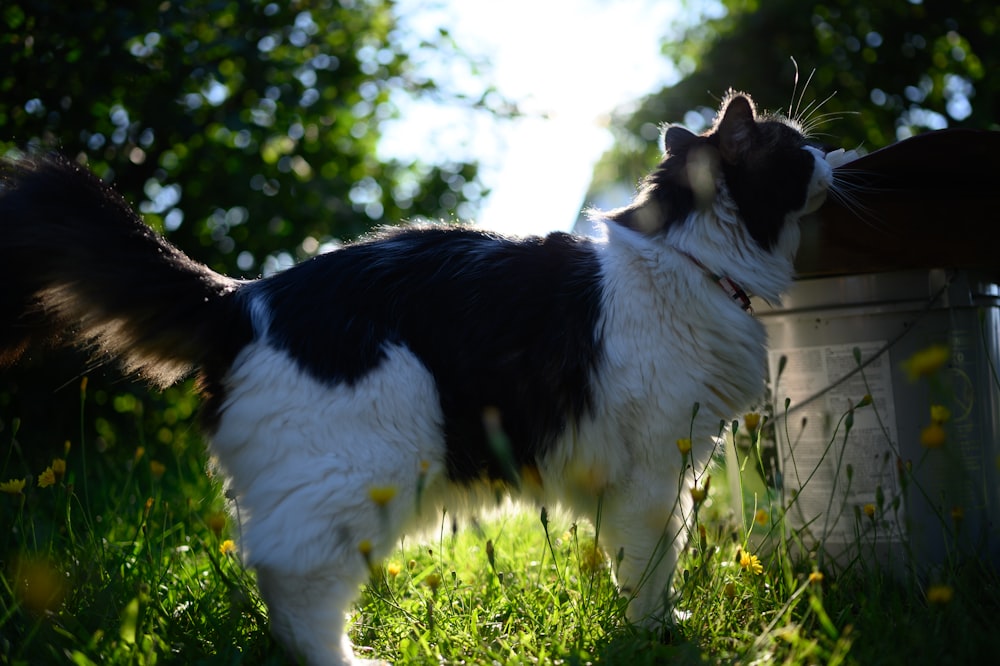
pixel 807 118
pixel 802 93
pixel 847 190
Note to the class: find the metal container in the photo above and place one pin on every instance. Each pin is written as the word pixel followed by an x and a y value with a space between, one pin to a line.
pixel 842 472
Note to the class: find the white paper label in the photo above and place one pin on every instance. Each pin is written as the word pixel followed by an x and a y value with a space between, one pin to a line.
pixel 831 479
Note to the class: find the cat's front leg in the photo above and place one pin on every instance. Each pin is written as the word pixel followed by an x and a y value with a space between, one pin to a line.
pixel 307 611
pixel 644 533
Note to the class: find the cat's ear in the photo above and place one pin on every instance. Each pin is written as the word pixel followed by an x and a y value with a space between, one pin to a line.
pixel 736 127
pixel 677 139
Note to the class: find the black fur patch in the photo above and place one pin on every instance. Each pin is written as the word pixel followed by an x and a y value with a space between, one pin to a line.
pixel 499 323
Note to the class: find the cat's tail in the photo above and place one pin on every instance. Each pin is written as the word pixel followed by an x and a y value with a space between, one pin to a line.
pixel 78 266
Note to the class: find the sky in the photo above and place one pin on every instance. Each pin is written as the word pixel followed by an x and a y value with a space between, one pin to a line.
pixel 567 64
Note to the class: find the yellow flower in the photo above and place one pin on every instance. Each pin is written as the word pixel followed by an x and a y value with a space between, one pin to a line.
pixel 869 510
pixel 940 414
pixel 926 362
pixel 433 581
pixel 698 494
pixel 140 451
pixel 227 547
pixel 381 495
pixel 216 522
pixel 932 436
pixel 393 569
pixel 939 594
pixel 12 486
pixel 751 421
pixel 957 514
pixel 156 468
pixel 761 517
pixel 46 478
pixel 531 477
pixel 684 446
pixel 866 400
pixel 729 590
pixel 59 468
pixel 816 577
pixel 365 548
pixel 750 562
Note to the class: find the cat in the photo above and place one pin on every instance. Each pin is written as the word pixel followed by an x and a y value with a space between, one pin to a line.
pixel 351 397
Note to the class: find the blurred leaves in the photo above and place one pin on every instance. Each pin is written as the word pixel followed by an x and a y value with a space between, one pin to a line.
pixel 246 130
pixel 893 68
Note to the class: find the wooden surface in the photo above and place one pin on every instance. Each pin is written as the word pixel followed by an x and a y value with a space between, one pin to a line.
pixel 931 201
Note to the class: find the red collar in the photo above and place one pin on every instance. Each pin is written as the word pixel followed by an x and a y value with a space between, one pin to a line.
pixel 730 286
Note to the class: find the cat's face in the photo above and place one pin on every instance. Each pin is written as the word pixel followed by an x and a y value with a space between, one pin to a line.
pixel 763 168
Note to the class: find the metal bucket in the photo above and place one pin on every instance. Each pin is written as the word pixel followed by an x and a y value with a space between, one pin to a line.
pixel 842 471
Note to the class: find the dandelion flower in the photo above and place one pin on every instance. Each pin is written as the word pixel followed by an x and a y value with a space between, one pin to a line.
pixel 433 581
pixel 940 414
pixel 393 569
pixel 751 421
pixel 761 517
pixel 46 478
pixel 227 547
pixel 365 548
pixel 531 476
pixel 751 563
pixel 932 436
pixel 381 495
pixel 157 469
pixel 940 594
pixel 684 446
pixel 869 510
pixel 59 468
pixel 816 577
pixel 12 486
pixel 216 522
pixel 926 362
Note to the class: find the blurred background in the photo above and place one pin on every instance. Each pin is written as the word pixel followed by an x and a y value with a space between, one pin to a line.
pixel 256 134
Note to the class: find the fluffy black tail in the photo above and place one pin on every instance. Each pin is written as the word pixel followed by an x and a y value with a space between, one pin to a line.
pixel 78 266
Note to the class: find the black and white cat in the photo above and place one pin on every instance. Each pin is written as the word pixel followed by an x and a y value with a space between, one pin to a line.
pixel 350 398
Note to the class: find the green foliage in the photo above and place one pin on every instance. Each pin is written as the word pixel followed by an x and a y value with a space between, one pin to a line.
pixel 880 70
pixel 246 130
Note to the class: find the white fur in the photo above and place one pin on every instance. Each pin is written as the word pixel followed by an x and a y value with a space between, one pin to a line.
pixel 302 456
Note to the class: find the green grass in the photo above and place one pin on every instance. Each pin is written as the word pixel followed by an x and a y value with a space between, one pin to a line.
pixel 121 561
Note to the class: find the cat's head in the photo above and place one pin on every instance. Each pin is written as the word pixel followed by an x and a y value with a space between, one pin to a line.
pixel 734 192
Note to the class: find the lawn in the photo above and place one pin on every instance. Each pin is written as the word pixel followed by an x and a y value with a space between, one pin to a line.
pixel 122 553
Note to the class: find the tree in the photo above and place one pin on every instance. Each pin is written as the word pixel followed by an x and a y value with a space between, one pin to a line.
pixel 884 70
pixel 246 131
